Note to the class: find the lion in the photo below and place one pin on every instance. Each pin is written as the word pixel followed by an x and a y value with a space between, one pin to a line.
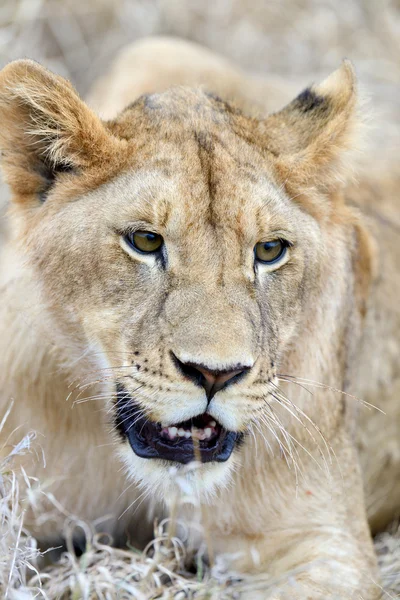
pixel 195 287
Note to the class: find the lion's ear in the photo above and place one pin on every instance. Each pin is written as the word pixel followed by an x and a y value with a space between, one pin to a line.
pixel 312 135
pixel 45 129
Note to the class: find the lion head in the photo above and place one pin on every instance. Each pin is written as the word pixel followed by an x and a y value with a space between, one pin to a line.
pixel 188 249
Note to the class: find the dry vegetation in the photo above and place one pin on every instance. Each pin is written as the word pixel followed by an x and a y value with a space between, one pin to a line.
pixel 295 38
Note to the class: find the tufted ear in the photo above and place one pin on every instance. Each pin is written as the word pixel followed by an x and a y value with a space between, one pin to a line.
pixel 46 129
pixel 312 135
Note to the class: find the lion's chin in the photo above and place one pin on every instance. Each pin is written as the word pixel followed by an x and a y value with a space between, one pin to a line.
pixel 166 480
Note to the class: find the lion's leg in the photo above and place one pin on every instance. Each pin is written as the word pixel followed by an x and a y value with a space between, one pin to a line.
pixel 311 540
pixel 379 449
pixel 310 566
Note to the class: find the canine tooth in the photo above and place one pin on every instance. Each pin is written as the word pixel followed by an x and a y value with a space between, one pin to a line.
pixel 207 432
pixel 172 431
pixel 213 424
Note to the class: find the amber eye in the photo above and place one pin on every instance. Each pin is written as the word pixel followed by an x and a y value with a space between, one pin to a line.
pixel 270 252
pixel 144 241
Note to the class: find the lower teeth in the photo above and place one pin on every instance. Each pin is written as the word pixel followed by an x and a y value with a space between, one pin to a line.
pixel 173 432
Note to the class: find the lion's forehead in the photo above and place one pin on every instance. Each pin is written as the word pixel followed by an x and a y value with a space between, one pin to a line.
pixel 188 123
pixel 192 165
pixel 178 202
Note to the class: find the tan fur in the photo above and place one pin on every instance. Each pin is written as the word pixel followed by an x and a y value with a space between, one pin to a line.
pixel 81 312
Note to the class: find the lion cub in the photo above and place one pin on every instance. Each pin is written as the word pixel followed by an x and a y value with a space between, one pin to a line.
pixel 189 276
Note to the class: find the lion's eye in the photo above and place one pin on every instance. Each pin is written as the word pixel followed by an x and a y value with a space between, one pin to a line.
pixel 270 252
pixel 144 241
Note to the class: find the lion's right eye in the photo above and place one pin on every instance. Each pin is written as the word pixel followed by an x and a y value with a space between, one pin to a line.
pixel 270 252
pixel 144 241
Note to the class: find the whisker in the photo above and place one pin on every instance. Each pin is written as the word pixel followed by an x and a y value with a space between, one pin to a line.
pixel 136 420
pixel 104 369
pixel 250 429
pixel 312 437
pixel 281 397
pixel 146 493
pixel 294 439
pixel 140 415
pixel 286 450
pixel 318 384
pixel 104 445
pixel 105 396
pixel 145 423
pixel 128 487
pixel 288 438
pixel 99 370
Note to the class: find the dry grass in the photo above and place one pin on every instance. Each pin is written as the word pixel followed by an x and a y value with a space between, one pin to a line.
pixel 107 573
pixel 297 38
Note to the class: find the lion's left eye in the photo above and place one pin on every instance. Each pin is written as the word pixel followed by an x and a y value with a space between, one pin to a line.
pixel 144 241
pixel 270 252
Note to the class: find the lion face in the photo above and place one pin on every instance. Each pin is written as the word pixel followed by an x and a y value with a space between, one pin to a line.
pixel 169 246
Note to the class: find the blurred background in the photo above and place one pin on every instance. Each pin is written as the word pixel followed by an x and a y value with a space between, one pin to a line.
pixel 78 38
pixel 300 40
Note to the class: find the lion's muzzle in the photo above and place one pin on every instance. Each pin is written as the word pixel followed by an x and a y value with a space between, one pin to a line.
pixel 200 437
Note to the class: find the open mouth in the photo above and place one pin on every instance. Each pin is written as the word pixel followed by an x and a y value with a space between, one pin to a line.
pixel 200 438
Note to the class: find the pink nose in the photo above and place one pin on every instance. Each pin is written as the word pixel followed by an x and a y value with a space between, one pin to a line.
pixel 215 380
pixel 211 380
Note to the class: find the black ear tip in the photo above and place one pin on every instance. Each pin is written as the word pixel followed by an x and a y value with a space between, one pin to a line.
pixel 308 100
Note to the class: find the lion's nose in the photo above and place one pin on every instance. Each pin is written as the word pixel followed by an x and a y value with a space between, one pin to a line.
pixel 211 380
